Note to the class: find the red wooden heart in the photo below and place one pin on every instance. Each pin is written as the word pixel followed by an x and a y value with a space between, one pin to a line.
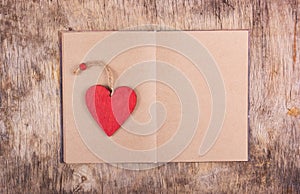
pixel 110 112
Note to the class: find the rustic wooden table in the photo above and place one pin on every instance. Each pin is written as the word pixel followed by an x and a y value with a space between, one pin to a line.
pixel 30 117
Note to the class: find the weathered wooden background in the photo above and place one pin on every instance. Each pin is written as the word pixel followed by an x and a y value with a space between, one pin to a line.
pixel 30 118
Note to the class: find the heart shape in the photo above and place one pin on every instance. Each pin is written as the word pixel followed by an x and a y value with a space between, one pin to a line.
pixel 110 112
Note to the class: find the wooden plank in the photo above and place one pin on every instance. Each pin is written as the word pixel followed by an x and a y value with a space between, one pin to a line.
pixel 30 118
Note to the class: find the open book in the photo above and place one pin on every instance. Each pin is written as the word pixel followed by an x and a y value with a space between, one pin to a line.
pixel 191 89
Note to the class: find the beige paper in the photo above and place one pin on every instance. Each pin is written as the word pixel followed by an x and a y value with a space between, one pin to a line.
pixel 173 69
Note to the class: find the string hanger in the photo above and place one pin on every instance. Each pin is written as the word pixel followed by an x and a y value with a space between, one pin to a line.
pixel 83 66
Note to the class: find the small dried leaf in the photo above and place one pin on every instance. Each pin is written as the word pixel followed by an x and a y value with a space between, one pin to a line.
pixel 294 111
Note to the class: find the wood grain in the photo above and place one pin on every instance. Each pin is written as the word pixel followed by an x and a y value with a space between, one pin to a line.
pixel 30 118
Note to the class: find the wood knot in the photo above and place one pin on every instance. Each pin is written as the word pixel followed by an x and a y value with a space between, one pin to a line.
pixel 83 178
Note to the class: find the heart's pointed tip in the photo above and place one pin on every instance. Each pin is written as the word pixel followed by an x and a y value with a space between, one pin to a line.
pixel 110 133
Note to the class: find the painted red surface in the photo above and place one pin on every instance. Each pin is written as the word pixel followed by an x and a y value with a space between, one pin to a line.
pixel 110 112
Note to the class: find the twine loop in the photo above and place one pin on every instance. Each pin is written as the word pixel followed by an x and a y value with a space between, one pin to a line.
pixel 108 71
